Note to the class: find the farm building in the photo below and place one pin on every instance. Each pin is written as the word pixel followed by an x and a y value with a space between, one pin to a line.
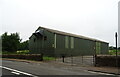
pixel 57 43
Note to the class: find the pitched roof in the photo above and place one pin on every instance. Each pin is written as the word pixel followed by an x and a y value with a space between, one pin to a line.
pixel 69 34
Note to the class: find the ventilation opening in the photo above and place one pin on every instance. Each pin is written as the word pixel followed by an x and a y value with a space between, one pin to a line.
pixel 45 38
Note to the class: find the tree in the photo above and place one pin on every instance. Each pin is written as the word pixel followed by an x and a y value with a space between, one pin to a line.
pixel 10 42
pixel 23 45
pixel 112 48
pixel 119 48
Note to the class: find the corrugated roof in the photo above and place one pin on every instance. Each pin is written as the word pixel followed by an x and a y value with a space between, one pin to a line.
pixel 69 34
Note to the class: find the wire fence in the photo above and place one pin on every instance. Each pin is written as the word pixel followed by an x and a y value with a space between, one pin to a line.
pixel 78 60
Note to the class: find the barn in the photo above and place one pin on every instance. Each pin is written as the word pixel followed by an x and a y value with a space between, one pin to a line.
pixel 51 42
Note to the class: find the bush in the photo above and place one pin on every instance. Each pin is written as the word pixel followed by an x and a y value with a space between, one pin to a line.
pixel 37 57
pixel 107 61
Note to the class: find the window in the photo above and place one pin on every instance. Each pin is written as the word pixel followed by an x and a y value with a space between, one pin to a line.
pixel 72 42
pixel 66 42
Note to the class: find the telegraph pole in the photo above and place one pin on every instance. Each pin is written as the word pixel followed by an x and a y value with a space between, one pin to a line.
pixel 116 52
pixel 116 43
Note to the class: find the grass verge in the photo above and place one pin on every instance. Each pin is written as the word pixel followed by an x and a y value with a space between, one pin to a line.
pixel 113 52
pixel 46 58
pixel 17 52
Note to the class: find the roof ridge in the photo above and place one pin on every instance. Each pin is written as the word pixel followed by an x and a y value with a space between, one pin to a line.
pixel 70 34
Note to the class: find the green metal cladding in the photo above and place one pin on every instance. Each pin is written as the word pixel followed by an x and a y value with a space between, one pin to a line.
pixel 56 43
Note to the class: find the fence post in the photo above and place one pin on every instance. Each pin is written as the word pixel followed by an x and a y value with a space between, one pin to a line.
pixel 82 59
pixel 93 61
pixel 63 58
pixel 95 56
pixel 71 59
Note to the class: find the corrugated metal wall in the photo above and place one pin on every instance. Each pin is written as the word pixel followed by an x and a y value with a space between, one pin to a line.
pixel 35 44
pixel 84 47
pixel 104 48
pixel 68 45
pixel 65 45
pixel 42 45
pixel 48 43
pixel 60 45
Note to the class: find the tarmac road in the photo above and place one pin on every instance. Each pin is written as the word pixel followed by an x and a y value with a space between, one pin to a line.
pixel 18 68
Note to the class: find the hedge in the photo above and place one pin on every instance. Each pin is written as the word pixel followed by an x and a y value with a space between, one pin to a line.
pixel 37 57
pixel 107 61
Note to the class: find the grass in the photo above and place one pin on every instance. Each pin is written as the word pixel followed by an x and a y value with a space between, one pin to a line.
pixel 23 52
pixel 45 58
pixel 0 52
pixel 113 52
pixel 17 52
pixel 48 58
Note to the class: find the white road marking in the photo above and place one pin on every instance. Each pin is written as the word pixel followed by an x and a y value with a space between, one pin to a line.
pixel 100 73
pixel 92 72
pixel 105 74
pixel 18 71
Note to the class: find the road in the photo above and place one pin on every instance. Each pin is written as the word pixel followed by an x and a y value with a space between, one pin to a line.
pixel 42 68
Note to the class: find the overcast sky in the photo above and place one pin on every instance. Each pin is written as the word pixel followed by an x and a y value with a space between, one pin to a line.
pixel 92 18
